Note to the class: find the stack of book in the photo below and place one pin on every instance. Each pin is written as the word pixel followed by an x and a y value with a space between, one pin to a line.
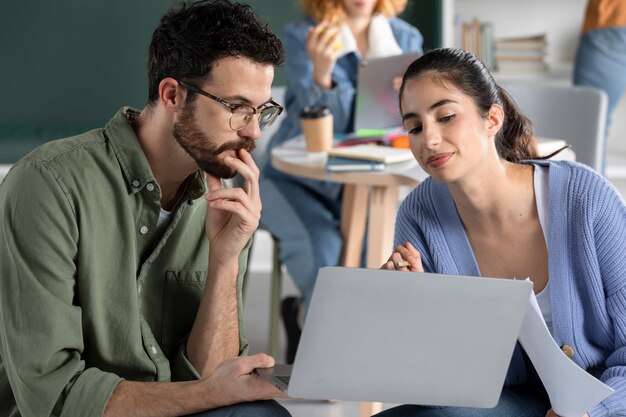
pixel 365 158
pixel 476 37
pixel 522 54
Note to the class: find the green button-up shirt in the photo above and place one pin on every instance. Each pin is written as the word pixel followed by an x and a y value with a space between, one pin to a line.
pixel 90 293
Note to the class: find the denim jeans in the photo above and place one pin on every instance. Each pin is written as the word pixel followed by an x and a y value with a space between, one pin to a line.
pixel 304 216
pixel 518 401
pixel 254 409
pixel 601 63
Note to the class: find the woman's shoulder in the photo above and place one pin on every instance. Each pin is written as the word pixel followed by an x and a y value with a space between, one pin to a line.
pixel 580 184
pixel 400 26
pixel 408 36
pixel 568 169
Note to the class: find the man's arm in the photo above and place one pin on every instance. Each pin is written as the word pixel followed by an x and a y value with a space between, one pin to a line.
pixel 232 382
pixel 232 217
pixel 213 344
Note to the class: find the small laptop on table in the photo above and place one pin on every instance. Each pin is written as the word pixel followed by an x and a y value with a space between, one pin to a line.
pixel 405 338
pixel 376 101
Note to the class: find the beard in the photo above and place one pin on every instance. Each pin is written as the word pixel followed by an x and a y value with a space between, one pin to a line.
pixel 199 147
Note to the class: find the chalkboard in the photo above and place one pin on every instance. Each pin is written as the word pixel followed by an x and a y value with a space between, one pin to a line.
pixel 67 66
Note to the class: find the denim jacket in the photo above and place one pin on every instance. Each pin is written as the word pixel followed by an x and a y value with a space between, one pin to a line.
pixel 303 91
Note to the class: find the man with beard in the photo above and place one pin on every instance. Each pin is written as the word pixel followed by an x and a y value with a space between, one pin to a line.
pixel 120 273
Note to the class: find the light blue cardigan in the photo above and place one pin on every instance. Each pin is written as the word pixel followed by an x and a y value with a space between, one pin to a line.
pixel 586 262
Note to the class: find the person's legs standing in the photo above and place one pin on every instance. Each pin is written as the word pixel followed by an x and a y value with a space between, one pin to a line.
pixel 304 217
pixel 306 223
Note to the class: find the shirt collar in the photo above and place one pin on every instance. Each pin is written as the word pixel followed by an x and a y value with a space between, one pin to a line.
pixel 382 43
pixel 137 171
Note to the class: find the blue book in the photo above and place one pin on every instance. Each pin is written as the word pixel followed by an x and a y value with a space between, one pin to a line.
pixel 337 164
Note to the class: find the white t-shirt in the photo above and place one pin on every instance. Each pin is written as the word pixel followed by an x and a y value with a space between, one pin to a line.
pixel 541 196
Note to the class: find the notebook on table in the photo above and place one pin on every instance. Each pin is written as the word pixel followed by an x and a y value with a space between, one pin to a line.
pixel 369 152
pixel 338 164
pixel 408 338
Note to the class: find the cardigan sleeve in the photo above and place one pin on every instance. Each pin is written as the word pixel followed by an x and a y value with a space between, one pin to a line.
pixel 609 234
pixel 409 228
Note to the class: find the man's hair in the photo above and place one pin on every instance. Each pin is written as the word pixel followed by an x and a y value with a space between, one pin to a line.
pixel 192 37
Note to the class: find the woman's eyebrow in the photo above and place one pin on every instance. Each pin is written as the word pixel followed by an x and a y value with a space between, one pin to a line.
pixel 441 103
pixel 434 106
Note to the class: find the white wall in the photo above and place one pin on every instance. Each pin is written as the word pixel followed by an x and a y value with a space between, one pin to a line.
pixel 560 19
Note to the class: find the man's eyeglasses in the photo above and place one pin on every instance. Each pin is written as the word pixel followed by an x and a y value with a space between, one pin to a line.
pixel 241 114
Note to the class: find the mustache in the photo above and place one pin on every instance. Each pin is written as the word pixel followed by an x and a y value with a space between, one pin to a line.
pixel 242 143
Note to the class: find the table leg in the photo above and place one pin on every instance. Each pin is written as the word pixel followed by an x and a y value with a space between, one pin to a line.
pixel 353 217
pixel 381 219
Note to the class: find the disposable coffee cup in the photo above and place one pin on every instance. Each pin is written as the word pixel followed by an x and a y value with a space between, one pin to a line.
pixel 317 126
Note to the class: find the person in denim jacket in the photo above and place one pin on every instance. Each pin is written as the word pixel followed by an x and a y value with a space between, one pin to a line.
pixel 601 56
pixel 323 54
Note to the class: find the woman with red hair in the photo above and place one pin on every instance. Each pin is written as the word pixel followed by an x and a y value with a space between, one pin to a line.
pixel 323 52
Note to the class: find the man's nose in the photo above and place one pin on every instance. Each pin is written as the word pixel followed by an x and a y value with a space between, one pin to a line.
pixel 252 129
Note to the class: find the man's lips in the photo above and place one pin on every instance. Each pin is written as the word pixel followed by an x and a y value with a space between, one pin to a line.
pixel 439 159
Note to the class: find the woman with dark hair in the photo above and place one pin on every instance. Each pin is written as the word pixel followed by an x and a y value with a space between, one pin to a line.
pixel 492 207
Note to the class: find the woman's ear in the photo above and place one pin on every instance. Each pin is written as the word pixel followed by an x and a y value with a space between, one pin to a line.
pixel 495 119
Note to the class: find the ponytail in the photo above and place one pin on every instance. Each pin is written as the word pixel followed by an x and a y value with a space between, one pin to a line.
pixel 516 140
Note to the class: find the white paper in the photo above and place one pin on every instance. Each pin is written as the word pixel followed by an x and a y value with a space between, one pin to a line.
pixel 572 390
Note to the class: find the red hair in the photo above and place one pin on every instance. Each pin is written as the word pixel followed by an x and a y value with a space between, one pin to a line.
pixel 333 11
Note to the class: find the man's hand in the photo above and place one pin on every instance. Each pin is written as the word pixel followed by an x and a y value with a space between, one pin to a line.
pixel 405 258
pixel 235 381
pixel 233 213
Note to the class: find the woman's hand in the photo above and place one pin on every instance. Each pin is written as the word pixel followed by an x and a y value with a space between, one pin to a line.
pixel 405 258
pixel 322 45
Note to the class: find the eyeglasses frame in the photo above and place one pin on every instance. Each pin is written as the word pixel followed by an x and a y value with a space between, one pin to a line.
pixel 232 107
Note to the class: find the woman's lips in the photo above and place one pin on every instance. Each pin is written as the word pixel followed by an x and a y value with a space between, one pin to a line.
pixel 439 159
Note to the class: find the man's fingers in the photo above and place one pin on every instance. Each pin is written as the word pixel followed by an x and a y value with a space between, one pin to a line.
pixel 214 183
pixel 261 360
pixel 236 196
pixel 248 170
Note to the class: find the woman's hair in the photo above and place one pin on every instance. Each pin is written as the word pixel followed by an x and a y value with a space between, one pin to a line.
pixel 333 9
pixel 515 141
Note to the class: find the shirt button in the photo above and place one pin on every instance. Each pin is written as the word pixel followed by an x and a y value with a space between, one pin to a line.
pixel 153 349
pixel 143 230
pixel 150 187
pixel 568 350
pixel 135 183
pixel 139 289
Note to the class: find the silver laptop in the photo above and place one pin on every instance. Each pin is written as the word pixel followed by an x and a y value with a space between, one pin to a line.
pixel 406 338
pixel 376 100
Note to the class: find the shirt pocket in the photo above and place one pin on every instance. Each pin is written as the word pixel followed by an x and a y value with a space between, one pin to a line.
pixel 181 299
